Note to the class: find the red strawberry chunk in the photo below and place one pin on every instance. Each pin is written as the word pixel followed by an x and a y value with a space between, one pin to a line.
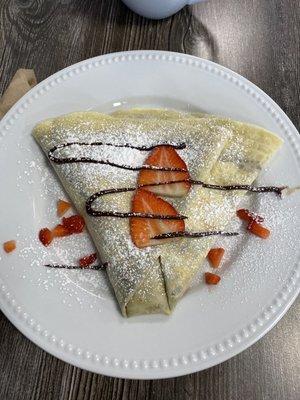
pixel 45 236
pixel 211 279
pixel 258 230
pixel 60 231
pixel 74 224
pixel 88 260
pixel 254 223
pixel 215 256
pixel 248 216
pixel 165 156
pixel 143 229
pixel 9 246
pixel 62 207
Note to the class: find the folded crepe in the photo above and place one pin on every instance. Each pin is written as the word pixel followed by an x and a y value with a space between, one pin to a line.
pixel 218 150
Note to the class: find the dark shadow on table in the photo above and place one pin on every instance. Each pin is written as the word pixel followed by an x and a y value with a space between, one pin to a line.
pixel 183 32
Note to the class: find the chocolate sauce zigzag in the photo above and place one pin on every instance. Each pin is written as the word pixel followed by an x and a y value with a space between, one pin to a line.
pixel 186 234
pixel 248 188
pixel 90 267
pixel 72 160
pixel 95 196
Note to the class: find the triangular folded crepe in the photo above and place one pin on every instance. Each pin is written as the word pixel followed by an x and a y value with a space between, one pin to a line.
pixel 218 151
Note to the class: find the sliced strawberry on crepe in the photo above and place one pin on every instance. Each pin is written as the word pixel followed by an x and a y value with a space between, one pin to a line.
pixel 165 156
pixel 143 229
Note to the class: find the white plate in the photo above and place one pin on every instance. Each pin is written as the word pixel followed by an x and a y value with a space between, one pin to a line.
pixel 72 314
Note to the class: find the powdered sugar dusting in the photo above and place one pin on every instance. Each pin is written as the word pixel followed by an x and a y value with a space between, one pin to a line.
pixel 204 143
pixel 71 284
pixel 245 271
pixel 112 235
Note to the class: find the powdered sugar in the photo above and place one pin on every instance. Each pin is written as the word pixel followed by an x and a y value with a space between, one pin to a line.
pixel 112 235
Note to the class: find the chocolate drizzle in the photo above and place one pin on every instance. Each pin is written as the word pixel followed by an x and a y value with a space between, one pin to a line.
pixel 72 160
pixel 194 234
pixel 91 267
pixel 96 213
pixel 249 188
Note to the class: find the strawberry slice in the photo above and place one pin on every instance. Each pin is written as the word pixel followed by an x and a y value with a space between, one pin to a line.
pixel 45 236
pixel 211 279
pixel 60 231
pixel 9 246
pixel 88 260
pixel 62 207
pixel 258 230
pixel 165 156
pixel 74 224
pixel 143 229
pixel 215 256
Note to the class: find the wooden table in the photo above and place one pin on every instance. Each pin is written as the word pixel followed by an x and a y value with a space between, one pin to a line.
pixel 259 39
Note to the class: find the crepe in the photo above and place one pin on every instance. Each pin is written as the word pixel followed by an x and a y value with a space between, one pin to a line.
pixel 219 150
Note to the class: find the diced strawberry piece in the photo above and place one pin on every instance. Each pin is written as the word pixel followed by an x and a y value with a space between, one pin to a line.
pixel 88 260
pixel 211 279
pixel 143 229
pixel 258 230
pixel 60 231
pixel 248 216
pixel 9 246
pixel 215 256
pixel 62 207
pixel 45 236
pixel 74 224
pixel 244 215
pixel 165 156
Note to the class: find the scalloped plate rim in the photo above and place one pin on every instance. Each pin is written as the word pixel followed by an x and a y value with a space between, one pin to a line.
pixel 159 372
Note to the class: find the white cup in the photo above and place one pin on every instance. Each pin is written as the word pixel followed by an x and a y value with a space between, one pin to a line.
pixel 158 9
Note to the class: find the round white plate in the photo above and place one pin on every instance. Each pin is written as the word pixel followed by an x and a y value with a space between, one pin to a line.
pixel 73 314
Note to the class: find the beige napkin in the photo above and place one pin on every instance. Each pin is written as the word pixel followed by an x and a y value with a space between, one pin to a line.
pixel 22 82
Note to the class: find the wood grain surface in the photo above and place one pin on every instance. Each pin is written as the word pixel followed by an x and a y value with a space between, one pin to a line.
pixel 259 39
